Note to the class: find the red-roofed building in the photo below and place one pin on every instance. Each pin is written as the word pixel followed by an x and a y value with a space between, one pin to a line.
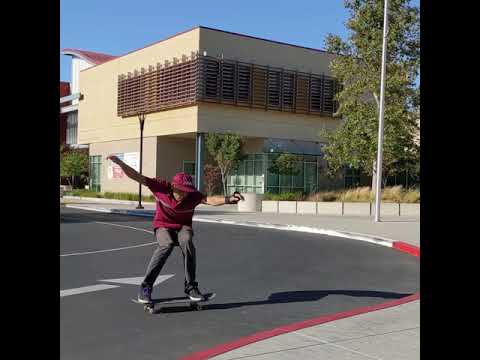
pixel 64 91
pixel 69 97
pixel 89 56
pixel 81 59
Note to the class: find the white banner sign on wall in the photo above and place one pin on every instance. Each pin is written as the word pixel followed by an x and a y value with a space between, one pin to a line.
pixel 131 159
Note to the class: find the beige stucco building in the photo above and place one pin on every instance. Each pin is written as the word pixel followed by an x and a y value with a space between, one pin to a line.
pixel 277 96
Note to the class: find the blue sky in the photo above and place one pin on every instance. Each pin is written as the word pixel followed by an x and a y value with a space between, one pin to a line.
pixel 118 26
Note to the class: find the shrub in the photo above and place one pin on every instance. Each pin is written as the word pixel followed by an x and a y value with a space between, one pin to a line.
pixel 127 196
pixel 412 196
pixel 286 196
pixel 360 194
pixel 212 178
pixel 110 195
pixel 393 194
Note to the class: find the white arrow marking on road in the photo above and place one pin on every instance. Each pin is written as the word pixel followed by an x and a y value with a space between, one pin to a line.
pixel 99 287
pixel 86 289
pixel 138 280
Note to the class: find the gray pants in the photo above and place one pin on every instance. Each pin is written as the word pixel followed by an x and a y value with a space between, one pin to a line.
pixel 167 239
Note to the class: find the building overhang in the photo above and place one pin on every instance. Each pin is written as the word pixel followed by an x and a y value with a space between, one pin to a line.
pixel 70 98
pixel 69 109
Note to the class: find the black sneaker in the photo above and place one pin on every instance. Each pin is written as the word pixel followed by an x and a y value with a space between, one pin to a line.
pixel 145 295
pixel 195 294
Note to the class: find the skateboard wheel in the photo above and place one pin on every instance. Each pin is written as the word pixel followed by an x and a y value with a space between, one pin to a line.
pixel 199 307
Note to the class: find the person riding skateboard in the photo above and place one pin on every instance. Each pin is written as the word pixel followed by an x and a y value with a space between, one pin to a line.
pixel 172 224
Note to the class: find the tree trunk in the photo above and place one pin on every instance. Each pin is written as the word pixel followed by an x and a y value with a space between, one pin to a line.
pixel 377 101
pixel 374 177
pixel 384 181
pixel 223 182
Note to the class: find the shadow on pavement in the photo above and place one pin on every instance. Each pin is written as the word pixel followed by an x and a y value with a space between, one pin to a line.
pixel 290 297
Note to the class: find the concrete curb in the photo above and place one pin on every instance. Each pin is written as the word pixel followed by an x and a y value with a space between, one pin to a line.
pixel 339 208
pixel 223 348
pixel 398 245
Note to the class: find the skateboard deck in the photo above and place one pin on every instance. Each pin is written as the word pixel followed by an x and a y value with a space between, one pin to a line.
pixel 194 304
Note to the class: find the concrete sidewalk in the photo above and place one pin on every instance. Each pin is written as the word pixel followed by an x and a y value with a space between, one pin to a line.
pixel 389 333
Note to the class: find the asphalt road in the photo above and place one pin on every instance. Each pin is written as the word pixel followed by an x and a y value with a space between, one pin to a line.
pixel 263 279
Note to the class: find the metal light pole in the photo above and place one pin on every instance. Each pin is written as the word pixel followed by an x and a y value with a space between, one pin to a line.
pixel 141 118
pixel 378 190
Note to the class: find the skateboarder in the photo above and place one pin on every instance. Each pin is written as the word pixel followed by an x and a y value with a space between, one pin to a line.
pixel 176 202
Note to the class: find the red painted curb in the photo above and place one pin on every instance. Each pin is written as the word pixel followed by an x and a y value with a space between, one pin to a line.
pixel 407 248
pixel 220 349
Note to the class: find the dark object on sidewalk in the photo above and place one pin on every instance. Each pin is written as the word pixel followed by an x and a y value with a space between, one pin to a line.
pixel 194 305
pixel 236 193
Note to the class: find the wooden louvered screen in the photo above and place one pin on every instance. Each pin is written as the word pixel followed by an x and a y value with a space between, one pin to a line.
pixel 274 89
pixel 244 78
pixel 178 86
pixel 316 94
pixel 328 96
pixel 208 79
pixel 244 84
pixel 228 85
pixel 156 90
pixel 288 89
pixel 259 86
pixel 302 93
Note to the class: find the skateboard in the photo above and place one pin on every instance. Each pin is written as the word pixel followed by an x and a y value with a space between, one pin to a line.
pixel 194 304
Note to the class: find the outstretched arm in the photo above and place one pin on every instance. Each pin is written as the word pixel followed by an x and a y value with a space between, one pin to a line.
pixel 220 200
pixel 131 173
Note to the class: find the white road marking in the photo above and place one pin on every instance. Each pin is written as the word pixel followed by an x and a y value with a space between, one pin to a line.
pixel 99 287
pixel 124 226
pixel 107 250
pixel 138 280
pixel 86 289
pixel 299 228
pixel 115 249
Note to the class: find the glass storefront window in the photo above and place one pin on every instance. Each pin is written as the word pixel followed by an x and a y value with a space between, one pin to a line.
pixel 95 173
pixel 298 180
pixel 250 175
pixel 258 170
pixel 249 172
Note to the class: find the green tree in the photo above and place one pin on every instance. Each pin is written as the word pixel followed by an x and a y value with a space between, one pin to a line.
pixel 73 162
pixel 211 176
pixel 358 67
pixel 285 164
pixel 226 150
